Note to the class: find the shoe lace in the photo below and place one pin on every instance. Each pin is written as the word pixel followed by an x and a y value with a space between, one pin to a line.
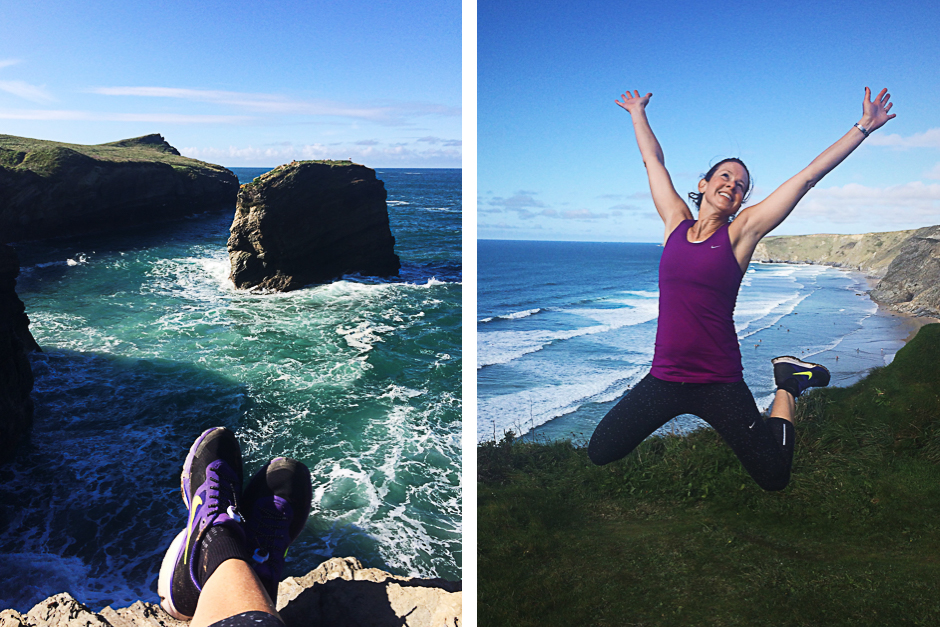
pixel 221 494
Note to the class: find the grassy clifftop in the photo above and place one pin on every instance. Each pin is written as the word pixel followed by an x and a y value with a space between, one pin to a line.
pixel 45 157
pixel 50 189
pixel 870 253
pixel 678 534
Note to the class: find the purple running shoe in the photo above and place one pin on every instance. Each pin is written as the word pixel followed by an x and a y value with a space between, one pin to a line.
pixel 277 504
pixel 211 484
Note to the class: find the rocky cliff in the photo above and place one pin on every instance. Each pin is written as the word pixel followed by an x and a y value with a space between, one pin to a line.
pixel 912 282
pixel 50 189
pixel 907 262
pixel 870 253
pixel 311 222
pixel 16 376
pixel 338 592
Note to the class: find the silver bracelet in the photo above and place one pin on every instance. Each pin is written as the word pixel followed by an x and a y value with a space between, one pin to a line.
pixel 864 131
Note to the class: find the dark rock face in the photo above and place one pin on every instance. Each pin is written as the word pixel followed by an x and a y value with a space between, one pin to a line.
pixel 16 375
pixel 311 222
pixel 49 189
pixel 912 283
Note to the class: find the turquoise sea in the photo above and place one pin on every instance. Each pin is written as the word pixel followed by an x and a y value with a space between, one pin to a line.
pixel 146 343
pixel 564 329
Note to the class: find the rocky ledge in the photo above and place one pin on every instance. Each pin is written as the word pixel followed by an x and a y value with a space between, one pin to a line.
pixel 311 222
pixel 16 375
pixel 338 592
pixel 50 189
pixel 906 262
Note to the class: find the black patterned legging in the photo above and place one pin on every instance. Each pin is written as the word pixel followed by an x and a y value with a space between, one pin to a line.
pixel 765 448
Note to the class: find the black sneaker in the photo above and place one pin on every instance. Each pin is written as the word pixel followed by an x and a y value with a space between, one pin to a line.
pixel 795 376
pixel 277 504
pixel 211 484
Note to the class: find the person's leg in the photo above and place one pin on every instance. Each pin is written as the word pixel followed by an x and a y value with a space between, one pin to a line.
pixel 205 574
pixel 277 504
pixel 765 448
pixel 784 406
pixel 233 589
pixel 644 409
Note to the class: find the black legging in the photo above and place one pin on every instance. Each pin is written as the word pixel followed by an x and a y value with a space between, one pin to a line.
pixel 765 448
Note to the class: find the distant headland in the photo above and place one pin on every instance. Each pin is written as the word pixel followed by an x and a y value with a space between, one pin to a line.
pixel 906 263
pixel 52 189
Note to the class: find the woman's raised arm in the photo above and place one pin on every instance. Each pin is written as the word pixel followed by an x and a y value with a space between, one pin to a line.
pixel 668 203
pixel 756 221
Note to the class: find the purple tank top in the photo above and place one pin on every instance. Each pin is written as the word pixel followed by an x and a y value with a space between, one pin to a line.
pixel 698 287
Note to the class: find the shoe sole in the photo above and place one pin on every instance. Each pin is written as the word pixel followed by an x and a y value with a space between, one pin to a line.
pixel 789 359
pixel 165 581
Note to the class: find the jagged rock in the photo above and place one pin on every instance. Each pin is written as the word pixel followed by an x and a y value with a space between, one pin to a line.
pixel 63 611
pixel 311 222
pixel 16 375
pixel 140 614
pixel 50 189
pixel 341 592
pixel 338 592
pixel 912 282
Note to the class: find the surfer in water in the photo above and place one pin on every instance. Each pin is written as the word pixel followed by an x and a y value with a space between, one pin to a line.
pixel 697 361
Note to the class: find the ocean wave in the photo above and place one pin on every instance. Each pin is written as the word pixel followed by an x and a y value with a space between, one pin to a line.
pixel 513 316
pixel 520 412
pixel 502 347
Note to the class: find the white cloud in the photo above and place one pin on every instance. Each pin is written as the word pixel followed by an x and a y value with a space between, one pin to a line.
pixel 911 203
pixel 389 157
pixel 520 200
pixel 388 114
pixel 53 115
pixel 33 93
pixel 583 214
pixel 22 89
pixel 927 139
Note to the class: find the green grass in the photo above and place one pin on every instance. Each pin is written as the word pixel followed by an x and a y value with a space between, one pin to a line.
pixel 46 157
pixel 678 534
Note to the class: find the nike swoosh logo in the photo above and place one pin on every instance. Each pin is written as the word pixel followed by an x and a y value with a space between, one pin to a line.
pixel 807 373
pixel 752 425
pixel 189 528
pixel 718 246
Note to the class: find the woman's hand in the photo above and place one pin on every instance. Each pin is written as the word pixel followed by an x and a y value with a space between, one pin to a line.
pixel 875 113
pixel 636 102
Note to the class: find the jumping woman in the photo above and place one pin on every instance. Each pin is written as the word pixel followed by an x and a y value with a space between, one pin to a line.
pixel 697 362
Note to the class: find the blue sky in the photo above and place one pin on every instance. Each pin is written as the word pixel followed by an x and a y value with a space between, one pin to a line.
pixel 240 83
pixel 772 83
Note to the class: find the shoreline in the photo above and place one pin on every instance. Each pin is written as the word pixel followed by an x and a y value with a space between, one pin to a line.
pixel 912 322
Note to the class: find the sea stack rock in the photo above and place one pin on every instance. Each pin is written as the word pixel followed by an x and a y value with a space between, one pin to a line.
pixel 912 283
pixel 311 222
pixel 50 189
pixel 16 375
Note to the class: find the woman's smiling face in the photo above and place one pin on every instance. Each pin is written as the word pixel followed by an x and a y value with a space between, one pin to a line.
pixel 726 189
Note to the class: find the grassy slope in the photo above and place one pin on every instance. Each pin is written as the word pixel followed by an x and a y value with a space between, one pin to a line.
pixel 45 157
pixel 678 534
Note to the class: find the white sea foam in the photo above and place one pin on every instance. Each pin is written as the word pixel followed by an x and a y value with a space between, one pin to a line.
pixel 521 412
pixel 502 347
